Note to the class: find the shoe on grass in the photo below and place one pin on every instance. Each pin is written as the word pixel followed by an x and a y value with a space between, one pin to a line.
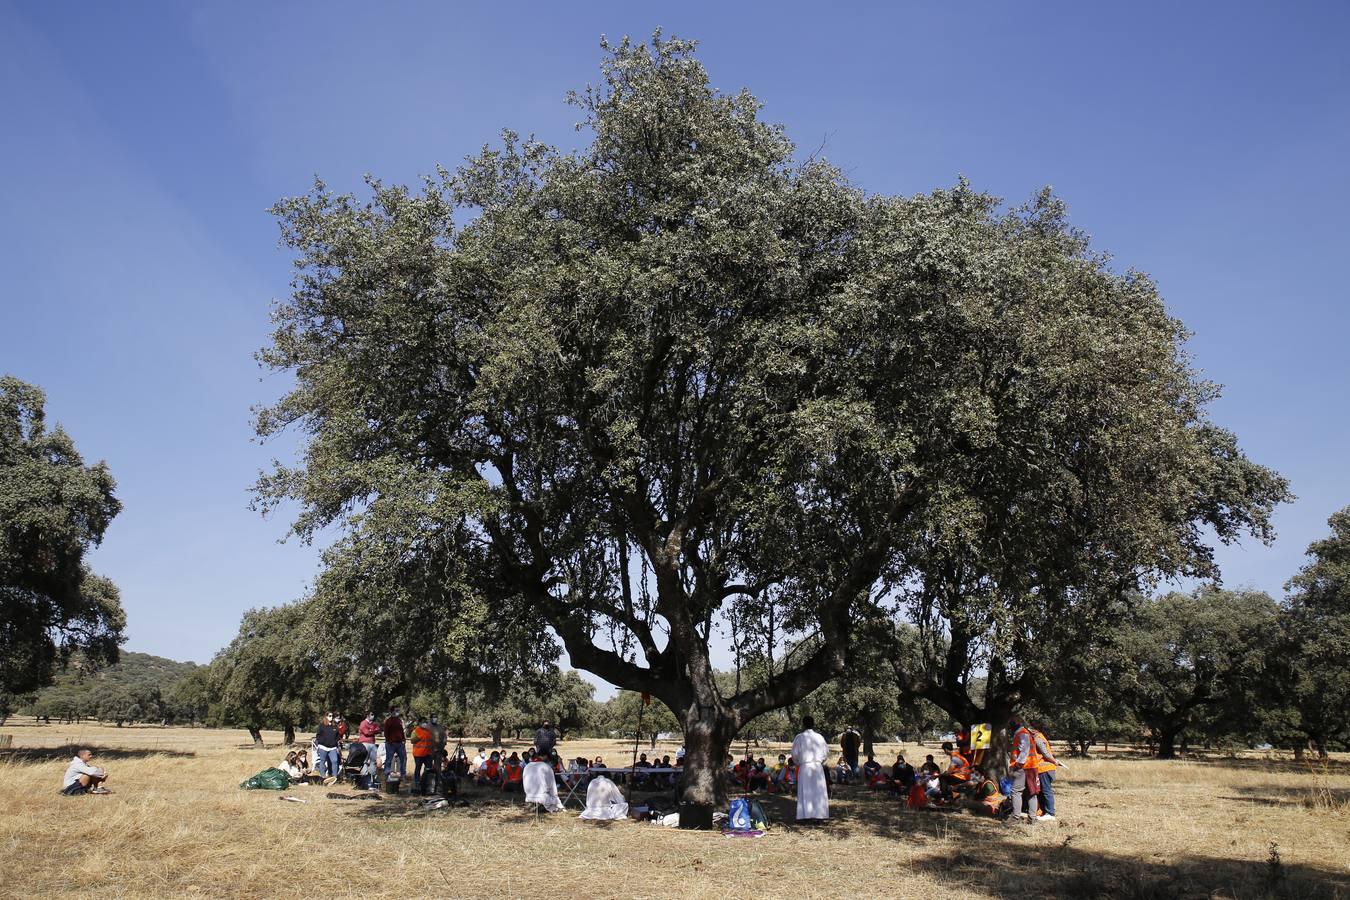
pixel 99 790
pixel 1047 818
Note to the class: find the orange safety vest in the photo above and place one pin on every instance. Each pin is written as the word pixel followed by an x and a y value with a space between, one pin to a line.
pixel 959 768
pixel 422 742
pixel 491 768
pixel 1033 758
pixel 1042 764
pixel 513 771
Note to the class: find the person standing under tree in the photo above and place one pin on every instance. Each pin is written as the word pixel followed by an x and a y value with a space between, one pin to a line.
pixel 423 756
pixel 850 742
pixel 394 745
pixel 1045 772
pixel 546 739
pixel 366 733
pixel 1023 764
pixel 810 751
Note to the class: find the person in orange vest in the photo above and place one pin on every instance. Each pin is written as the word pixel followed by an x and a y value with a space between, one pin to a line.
pixel 958 770
pixel 1045 772
pixel 985 799
pixel 424 746
pixel 1024 760
pixel 512 771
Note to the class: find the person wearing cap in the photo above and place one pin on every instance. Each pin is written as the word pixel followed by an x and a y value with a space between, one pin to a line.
pixel 82 777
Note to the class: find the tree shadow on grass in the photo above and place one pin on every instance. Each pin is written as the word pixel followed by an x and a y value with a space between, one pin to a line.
pixel 1311 797
pixel 20 755
pixel 1281 765
pixel 1063 871
pixel 965 853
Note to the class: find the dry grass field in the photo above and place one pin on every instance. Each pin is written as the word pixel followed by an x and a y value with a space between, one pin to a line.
pixel 178 825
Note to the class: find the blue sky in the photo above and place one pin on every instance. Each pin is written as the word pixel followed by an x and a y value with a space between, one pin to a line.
pixel 1204 143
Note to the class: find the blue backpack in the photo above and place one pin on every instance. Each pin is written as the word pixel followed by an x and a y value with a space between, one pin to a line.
pixel 746 815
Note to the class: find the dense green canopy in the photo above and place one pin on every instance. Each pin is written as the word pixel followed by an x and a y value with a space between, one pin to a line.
pixel 681 367
pixel 53 509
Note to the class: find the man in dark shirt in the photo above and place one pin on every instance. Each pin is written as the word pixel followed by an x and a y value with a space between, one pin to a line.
pixel 850 743
pixel 394 745
pixel 545 739
pixel 902 775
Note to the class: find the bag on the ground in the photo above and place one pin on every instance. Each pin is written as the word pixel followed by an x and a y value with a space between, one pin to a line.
pixel 759 820
pixel 271 779
pixel 738 816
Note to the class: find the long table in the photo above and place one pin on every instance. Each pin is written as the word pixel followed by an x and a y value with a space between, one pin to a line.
pixel 571 782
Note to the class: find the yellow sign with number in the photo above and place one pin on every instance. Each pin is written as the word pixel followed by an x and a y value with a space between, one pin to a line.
pixel 979 737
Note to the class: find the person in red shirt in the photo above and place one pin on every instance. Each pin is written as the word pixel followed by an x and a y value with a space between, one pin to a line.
pixel 394 745
pixel 366 733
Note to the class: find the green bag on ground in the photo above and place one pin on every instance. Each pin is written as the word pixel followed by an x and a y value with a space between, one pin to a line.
pixel 272 779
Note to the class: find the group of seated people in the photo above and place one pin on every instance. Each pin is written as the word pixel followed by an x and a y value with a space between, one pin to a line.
pixel 752 775
pixel 297 768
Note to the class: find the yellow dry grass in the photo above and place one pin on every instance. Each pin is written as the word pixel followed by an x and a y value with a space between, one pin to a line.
pixel 177 825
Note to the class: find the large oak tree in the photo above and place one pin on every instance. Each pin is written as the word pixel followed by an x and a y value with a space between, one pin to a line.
pixel 53 510
pixel 678 367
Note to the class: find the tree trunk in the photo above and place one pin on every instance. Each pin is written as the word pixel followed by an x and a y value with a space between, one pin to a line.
pixel 1298 751
pixel 496 735
pixel 1167 742
pixel 868 736
pixel 255 732
pixel 655 735
pixel 995 762
pixel 290 734
pixel 703 786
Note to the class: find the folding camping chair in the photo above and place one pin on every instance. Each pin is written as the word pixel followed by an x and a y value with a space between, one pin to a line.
pixel 360 767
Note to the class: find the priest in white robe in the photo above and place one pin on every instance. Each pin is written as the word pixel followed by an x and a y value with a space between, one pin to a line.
pixel 809 751
pixel 541 786
pixel 604 800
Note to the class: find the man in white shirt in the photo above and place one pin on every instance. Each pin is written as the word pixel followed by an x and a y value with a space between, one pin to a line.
pixel 83 778
pixel 809 751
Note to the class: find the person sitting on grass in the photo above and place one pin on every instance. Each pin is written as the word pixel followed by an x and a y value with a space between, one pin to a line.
pixel 288 765
pixel 958 771
pixel 575 771
pixel 985 797
pixel 302 763
pixel 843 774
pixel 759 776
pixel 511 774
pixel 777 773
pixel 492 769
pixel 82 777
pixel 902 775
pixel 872 771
